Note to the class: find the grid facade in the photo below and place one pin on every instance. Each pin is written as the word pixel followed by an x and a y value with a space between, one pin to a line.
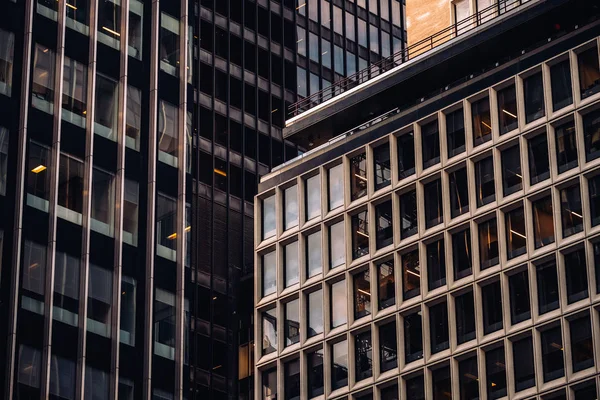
pixel 456 257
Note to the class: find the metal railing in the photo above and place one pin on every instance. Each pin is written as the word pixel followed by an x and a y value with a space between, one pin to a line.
pixel 404 55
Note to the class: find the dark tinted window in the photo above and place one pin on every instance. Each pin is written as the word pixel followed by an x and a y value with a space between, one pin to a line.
pixel 459 192
pixel 566 147
pixel 543 222
pixel 363 350
pixel 591 135
pixel 562 94
pixel 512 178
pixel 434 213
pixel 465 317
pixel 576 274
pixel 413 337
pixel 455 128
pixel 383 224
pixel 495 371
pixel 539 166
pixel 436 265
pixel 438 325
pixel 482 122
pixel 534 97
pixel 552 354
pixel 360 235
pixel 594 188
pixel 516 239
pixel 314 362
pixel 415 388
pixel 520 309
pixel 589 72
pixel 484 181
pixel 381 158
pixel 385 291
pixel 362 294
pixel 358 176
pixel 488 243
pixel 468 379
pixel 406 155
pixel 507 109
pixel 292 380
pixel 408 214
pixel 492 307
pixel 570 209
pixel 441 382
pixel 430 143
pixel 547 287
pixel 523 364
pixel 582 347
pixel 411 275
pixel 388 346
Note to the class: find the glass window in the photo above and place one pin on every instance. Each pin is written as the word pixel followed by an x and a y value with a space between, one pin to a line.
pixel 269 382
pixel 7 50
pixel 373 38
pixel 74 94
pixel 507 109
pixel 516 240
pixel 381 159
pixel 589 72
pixel 585 391
pixel 543 222
pixel 313 10
pixel 468 379
pixel 576 274
pixel 582 347
pixel 570 209
pixel 109 23
pixel 291 264
pixel 512 179
pixel 133 124
pixel 313 49
pixel 434 212
pixel 360 235
pixel 3 159
pixel 386 292
pixel 459 192
pixel 488 243
pixel 99 301
pixel 339 365
pixel 339 311
pixel 455 129
pixel 389 393
pixel 325 14
pixel 292 380
pixel 103 202
pixel 301 79
pixel 29 368
pixel 539 165
pixel 594 188
pixel 169 44
pixel 105 114
pixel 363 353
pixel 430 142
pixel 336 186
pixel 42 89
pixel 362 33
pixel 406 155
pixel 484 181
pixel 62 378
pixel 292 322
pixel 523 364
pixel 533 86
pixel 290 199
pixel 358 176
pixel 315 373
pixel 350 31
pixel 566 147
pixel 383 224
pixel 482 121
pixel 350 63
pixel 495 372
pixel 408 214
pixel 136 24
pixel 128 303
pixel 436 265
pixel 326 53
pixel 97 384
pixel 269 331
pixel 337 245
pixel 465 317
pixel 441 382
pixel 413 337
pixel 461 254
pixel 70 189
pixel 520 310
pixel 415 386
pixel 388 347
pixel 314 254
pixel 597 265
pixel 130 212
pixel 492 307
pixel 268 217
pixel 547 287
pixel 591 134
pixel 301 42
pixel 552 354
pixel 313 197
pixel 34 272
pixel 166 234
pixel 411 275
pixel 168 136
pixel 66 288
pixel 315 313
pixel 269 273
pixel 362 294
pixel 560 75
pixel 438 325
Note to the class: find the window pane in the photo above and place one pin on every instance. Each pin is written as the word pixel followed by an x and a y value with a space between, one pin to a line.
pixel 582 354
pixel 292 322
pixel 381 159
pixel 339 311
pixel 70 189
pixel 534 97
pixel 96 384
pixel 576 274
pixel 488 243
pixel 269 328
pixel 3 159
pixel 106 104
pixel 339 372
pixel 390 393
pixel 34 276
pixel 62 378
pixel 461 254
pixel 388 347
pixel 130 212
pixel 415 388
pixel 484 181
pixel 169 44
pixel 325 53
pixel 591 133
pixel 552 354
pixel 459 192
pixel 313 197
pixel 292 380
pixel 166 235
pixel 547 286
pixel 515 233
pixel 373 38
pixel 291 264
pixel 436 265
pixel 362 33
pixel 434 212
pixel 358 176
pixel 290 198
pixel 268 217
pixel 589 72
pixel 408 214
pixel 495 371
pixel 168 133
pixel 360 235
pixel 386 291
pixel 539 165
pixel 413 337
pixel 566 147
pixel 492 307
pixel 511 170
pixel 560 75
pixel 594 188
pixel 133 117
pixel 269 384
pixel 109 23
pixel 314 254
pixel 585 391
pixel 468 379
pixel 362 294
pixel 523 364
pixel 38 176
pixel 7 50
pixel 315 373
pixel 543 222
pixel 570 209
pixel 465 317
pixel 42 89
pixel 363 354
pixel 520 309
pixel 455 128
pixel 438 325
pixel 269 273
pixel 337 245
pixel 442 384
pixel 99 301
pixel 349 26
pixel 66 288
pixel 406 155
pixel 136 24
pixel 315 313
pixel 128 303
pixel 482 121
pixel 383 219
pixel 74 94
pixel 430 141
pixel 336 186
pixel 411 275
pixel 507 109
pixel 103 202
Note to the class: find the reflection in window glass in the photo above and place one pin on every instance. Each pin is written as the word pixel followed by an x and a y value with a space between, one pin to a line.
pixel 560 75
pixel 512 178
pixel 269 273
pixel 589 72
pixel 430 142
pixel 408 214
pixel 386 282
pixel 268 217
pixel 313 49
pixel 335 186
pixel 97 384
pixel 291 270
pixel 269 331
pixel 597 265
pixel 381 159
pixel 488 243
pixel 411 275
pixel 570 208
pixel 547 287
pixel 363 356
pixel 269 380
pixel 109 22
pixel 519 297
pixel 455 128
pixel 70 189
pixel 516 238
pixel 42 89
pixel 523 364
pixel 136 23
pixel 314 254
pixel 313 197
pixel 3 159
pixel 38 176
pixel 62 378
pixel 582 347
pixel 99 307
pixel 495 372
pixel 168 133
pixel 465 317
pixel 133 118
pixel 105 114
pixel 413 337
pixel 373 38
pixel 576 274
pixel 383 224
pixel 468 378
pixel 482 121
pixel 438 325
pixel 539 164
pixel 406 155
pixel 594 189
pixel 337 245
pixel 66 288
pixel 292 379
pixel 339 372
pixel 358 176
pixel 543 222
pixel 533 87
pixel 74 94
pixel 169 44
pixel 388 347
pixel 315 313
pixel 492 307
pixel 292 322
pixel 128 302
pixel 484 181
pixel 436 265
pixel 552 354
pixel 290 199
pixel 507 109
pixel 461 254
pixel 103 202
pixel 360 234
pixel 130 212
pixel 166 234
pixel 338 304
pixel 459 192
pixel 591 135
pixel 314 361
pixel 566 147
pixel 362 294
pixel 434 212
pixel 33 277
pixel 7 50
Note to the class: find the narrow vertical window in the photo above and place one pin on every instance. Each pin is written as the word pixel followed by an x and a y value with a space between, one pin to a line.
pixel 468 379
pixel 166 235
pixel 7 50
pixel 465 317
pixel 566 147
pixel 358 176
pixel 269 273
pixel 313 197
pixel 38 176
pixel 543 222
pixel 269 383
pixel 547 287
pixel 169 44
pixel 576 274
pixel 571 212
pixel 339 364
pixel 459 192
pixel 594 189
pixel 269 331
pixel 136 25
pixel 408 214
pixel 62 378
pixel 338 310
pixel 360 235
pixel 533 87
pixel 560 76
pixel 335 186
pixel 434 212
pixel 582 346
pixel 436 265
pixel 106 107
pixel 291 270
pixel 99 303
pixel 3 159
pixel 413 337
pixel 315 373
pixel 74 94
pixel 520 310
pixel 552 354
pixel 482 121
pixel 109 23
pixel 315 313
pixel 168 133
pixel 430 142
pixel 415 388
pixel 589 72
pixel 66 288
pixel 133 117
pixel 539 164
pixel 406 155
pixel 337 245
pixel 362 294
pixel 488 243
pixel 290 199
pixel 461 254
pixel 103 202
pixel 381 159
pixel 130 212
pixel 591 135
pixel 383 224
pixel 128 303
pixel 314 256
pixel 70 189
pixel 292 322
pixel 455 130
pixel 523 364
pixel 363 356
pixel 438 325
pixel 386 292
pixel 495 371
pixel 388 347
pixel 442 382
pixel 292 380
pixel 268 217
pixel 507 109
pixel 516 240
pixel 411 275
pixel 512 178
pixel 484 181
pixel 42 88
pixel 492 307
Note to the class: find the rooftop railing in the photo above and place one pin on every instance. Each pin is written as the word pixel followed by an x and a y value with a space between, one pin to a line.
pixel 404 55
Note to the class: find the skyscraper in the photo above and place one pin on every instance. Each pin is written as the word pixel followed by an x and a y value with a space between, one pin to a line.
pixel 132 137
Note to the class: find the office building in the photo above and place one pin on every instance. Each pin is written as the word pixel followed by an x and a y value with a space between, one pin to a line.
pixel 441 239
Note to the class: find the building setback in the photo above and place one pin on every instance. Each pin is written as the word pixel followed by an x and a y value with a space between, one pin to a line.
pixel 132 137
pixel 441 239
